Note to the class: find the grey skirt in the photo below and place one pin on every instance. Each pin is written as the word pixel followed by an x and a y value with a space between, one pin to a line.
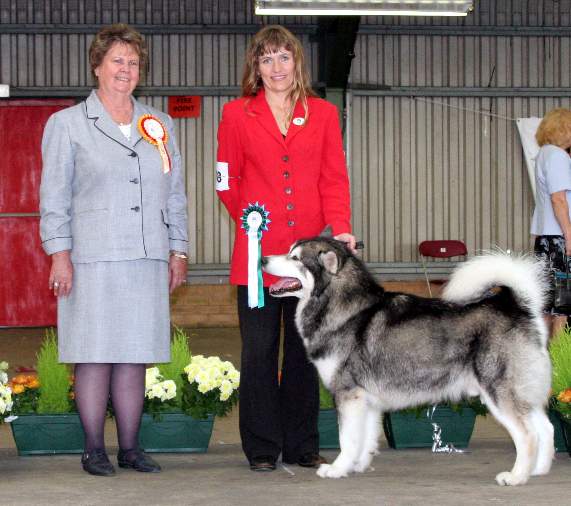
pixel 117 312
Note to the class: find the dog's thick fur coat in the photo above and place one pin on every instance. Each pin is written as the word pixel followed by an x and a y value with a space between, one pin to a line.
pixel 380 351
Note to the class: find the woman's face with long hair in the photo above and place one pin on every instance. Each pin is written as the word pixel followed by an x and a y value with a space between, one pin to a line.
pixel 277 70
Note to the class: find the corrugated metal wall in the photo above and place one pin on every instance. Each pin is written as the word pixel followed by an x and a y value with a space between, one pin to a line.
pixel 139 12
pixel 175 59
pixel 57 57
pixel 424 167
pixel 439 168
pixel 443 166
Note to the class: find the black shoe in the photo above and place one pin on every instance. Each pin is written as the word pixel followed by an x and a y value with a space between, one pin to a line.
pixel 263 463
pixel 308 460
pixel 138 460
pixel 96 462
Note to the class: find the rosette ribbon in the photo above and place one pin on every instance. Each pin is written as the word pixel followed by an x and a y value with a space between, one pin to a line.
pixel 153 131
pixel 255 221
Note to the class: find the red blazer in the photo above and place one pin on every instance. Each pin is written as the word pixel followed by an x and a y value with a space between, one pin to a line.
pixel 302 179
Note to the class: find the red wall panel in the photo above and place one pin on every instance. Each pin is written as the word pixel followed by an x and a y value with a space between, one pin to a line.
pixel 24 267
pixel 27 301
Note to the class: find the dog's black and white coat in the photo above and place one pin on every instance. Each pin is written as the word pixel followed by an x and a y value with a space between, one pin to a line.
pixel 380 351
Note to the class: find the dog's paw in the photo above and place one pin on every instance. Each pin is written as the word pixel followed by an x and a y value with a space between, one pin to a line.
pixel 329 471
pixel 508 478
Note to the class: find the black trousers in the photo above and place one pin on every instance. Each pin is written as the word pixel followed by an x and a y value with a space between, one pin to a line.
pixel 276 415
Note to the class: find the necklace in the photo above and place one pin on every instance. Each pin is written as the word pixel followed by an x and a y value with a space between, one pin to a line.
pixel 280 108
pixel 122 115
pixel 281 117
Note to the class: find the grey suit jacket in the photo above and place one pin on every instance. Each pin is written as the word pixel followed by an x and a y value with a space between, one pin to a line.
pixel 106 198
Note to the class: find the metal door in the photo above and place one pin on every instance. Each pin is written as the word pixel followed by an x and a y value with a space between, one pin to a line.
pixel 25 300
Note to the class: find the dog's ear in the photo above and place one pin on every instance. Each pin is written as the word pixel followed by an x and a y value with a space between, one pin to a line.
pixel 327 232
pixel 329 261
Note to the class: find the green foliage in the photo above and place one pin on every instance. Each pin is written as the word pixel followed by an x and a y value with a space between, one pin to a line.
pixel 560 352
pixel 156 407
pixel 26 402
pixel 54 378
pixel 200 405
pixel 325 398
pixel 180 358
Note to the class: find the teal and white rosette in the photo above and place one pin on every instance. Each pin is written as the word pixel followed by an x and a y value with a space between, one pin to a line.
pixel 255 221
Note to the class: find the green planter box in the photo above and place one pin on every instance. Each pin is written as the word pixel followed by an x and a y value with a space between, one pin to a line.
pixel 558 436
pixel 328 428
pixel 48 434
pixel 563 426
pixel 175 433
pixel 405 430
pixel 566 426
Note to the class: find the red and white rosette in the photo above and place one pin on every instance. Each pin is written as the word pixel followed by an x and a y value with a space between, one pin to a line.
pixel 153 131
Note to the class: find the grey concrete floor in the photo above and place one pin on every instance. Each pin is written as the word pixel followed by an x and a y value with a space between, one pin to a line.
pixel 222 477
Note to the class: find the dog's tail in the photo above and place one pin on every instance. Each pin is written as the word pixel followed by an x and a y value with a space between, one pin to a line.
pixel 525 275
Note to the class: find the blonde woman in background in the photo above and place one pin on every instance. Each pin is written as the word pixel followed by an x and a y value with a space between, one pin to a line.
pixel 551 222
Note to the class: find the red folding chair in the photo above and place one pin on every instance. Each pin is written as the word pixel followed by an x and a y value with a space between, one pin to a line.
pixel 439 249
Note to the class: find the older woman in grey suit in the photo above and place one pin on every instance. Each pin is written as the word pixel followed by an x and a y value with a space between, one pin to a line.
pixel 114 221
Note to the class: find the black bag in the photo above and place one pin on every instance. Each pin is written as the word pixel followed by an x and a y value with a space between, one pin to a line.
pixel 562 296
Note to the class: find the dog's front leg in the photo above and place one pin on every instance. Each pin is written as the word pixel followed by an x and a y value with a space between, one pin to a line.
pixel 371 437
pixel 352 411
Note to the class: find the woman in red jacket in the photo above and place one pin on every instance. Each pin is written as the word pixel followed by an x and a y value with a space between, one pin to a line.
pixel 280 154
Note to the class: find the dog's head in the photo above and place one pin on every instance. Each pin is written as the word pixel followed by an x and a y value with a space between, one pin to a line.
pixel 310 264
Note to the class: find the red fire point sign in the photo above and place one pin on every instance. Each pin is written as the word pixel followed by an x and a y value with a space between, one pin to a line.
pixel 184 107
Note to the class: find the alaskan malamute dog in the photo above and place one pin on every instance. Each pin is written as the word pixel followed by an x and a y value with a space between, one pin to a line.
pixel 381 351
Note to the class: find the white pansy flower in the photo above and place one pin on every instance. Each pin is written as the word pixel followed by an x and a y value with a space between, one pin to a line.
pixel 203 388
pixel 202 377
pixel 169 387
pixel 210 385
pixel 227 366
pixel 192 370
pixel 157 390
pixel 234 377
pixel 226 387
pixel 215 375
pixel 152 376
pixel 211 373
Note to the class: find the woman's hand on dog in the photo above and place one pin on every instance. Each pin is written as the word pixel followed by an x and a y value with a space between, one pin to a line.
pixel 349 240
